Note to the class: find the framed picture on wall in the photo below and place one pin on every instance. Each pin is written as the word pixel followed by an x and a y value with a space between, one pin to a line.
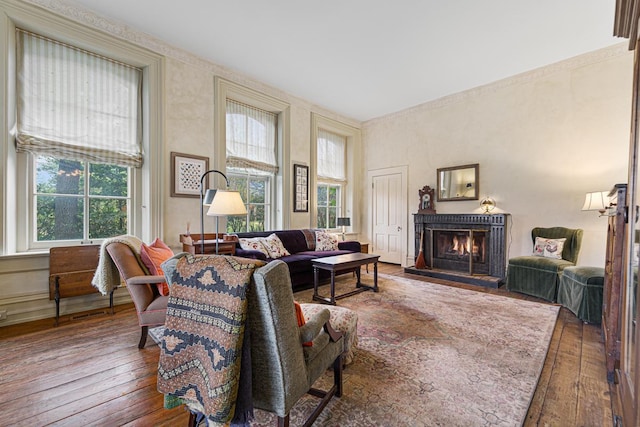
pixel 186 171
pixel 300 188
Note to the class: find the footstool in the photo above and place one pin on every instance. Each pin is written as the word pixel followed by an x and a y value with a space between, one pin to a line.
pixel 343 320
pixel 580 290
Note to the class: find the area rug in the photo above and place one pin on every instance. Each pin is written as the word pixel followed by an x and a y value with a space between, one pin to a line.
pixel 434 355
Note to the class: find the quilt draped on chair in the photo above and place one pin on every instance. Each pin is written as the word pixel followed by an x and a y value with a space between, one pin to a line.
pixel 201 356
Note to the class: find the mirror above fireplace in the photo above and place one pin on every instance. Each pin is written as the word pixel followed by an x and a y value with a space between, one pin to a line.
pixel 458 183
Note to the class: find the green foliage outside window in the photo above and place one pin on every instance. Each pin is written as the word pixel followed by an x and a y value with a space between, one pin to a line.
pixel 61 195
pixel 328 205
pixel 253 189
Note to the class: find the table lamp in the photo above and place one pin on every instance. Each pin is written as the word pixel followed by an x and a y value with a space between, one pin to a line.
pixel 344 222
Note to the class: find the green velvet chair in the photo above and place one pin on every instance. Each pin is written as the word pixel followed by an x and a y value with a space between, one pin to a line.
pixel 540 276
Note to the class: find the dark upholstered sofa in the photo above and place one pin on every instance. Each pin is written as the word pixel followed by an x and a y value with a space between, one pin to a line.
pixel 301 246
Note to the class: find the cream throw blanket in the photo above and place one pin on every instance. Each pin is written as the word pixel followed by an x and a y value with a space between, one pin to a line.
pixel 107 276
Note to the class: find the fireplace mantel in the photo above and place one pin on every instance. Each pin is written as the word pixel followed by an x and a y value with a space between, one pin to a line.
pixel 483 262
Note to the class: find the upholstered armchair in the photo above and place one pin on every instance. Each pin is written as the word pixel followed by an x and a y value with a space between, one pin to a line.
pixel 151 307
pixel 283 370
pixel 283 364
pixel 539 276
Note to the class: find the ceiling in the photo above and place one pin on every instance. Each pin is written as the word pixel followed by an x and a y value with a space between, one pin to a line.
pixel 367 58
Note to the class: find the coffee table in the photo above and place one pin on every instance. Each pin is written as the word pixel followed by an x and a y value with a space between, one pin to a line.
pixel 346 262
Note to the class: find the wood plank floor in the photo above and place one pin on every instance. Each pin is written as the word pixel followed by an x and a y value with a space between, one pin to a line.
pixel 90 372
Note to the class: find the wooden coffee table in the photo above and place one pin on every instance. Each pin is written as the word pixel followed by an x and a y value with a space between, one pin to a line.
pixel 346 262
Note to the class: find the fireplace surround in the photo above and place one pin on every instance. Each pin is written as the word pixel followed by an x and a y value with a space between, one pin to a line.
pixel 469 248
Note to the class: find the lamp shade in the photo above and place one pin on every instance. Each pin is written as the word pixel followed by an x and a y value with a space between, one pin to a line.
pixel 227 202
pixel 344 221
pixel 596 201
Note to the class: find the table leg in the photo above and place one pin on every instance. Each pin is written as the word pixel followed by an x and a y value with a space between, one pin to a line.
pixel 333 287
pixel 358 282
pixel 375 276
pixel 315 282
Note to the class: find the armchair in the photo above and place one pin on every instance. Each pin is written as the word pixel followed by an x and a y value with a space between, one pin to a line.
pixel 539 276
pixel 150 306
pixel 282 369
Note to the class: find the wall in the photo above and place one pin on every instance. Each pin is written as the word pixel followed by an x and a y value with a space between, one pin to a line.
pixel 543 139
pixel 188 120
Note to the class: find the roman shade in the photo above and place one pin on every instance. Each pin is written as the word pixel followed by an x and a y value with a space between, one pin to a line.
pixel 77 105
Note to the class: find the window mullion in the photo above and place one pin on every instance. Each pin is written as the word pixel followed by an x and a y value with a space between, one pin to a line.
pixel 87 171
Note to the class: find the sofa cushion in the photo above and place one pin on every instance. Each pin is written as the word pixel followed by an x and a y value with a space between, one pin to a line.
pixel 253 244
pixel 274 246
pixel 326 241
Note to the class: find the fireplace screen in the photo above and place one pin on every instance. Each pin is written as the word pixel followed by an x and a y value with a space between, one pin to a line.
pixel 461 250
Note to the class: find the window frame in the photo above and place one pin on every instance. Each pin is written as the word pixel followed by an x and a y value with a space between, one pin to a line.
pixel 146 220
pixel 340 188
pixel 280 196
pixel 350 196
pixel 268 212
pixel 86 196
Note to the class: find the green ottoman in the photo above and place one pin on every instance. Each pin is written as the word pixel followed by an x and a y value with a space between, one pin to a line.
pixel 580 291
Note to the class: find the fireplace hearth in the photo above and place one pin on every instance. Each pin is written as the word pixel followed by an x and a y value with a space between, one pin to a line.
pixel 463 247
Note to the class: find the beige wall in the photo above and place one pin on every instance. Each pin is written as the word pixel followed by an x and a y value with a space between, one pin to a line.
pixel 542 139
pixel 188 101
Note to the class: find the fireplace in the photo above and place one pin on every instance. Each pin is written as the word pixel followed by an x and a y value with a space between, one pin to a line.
pixel 462 247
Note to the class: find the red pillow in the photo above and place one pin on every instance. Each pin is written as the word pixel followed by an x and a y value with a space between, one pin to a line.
pixel 301 321
pixel 152 256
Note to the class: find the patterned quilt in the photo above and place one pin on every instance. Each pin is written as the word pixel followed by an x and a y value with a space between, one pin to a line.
pixel 200 360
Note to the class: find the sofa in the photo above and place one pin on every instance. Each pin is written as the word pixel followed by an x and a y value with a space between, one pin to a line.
pixel 302 246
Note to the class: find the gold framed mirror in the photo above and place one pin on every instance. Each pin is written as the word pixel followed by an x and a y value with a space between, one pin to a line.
pixel 458 183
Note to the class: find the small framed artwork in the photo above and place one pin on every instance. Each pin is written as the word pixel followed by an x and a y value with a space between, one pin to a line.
pixel 186 171
pixel 300 188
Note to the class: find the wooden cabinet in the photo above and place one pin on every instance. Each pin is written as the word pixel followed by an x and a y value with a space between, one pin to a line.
pixel 613 279
pixel 192 244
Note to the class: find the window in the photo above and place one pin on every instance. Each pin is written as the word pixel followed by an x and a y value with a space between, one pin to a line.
pixel 251 163
pixel 79 121
pixel 331 166
pixel 329 206
pixel 79 200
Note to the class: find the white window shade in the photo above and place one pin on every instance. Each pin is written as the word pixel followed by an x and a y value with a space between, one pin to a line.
pixel 331 155
pixel 251 137
pixel 77 105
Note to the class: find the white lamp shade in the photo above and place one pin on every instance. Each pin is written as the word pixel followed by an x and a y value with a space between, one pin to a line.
pixel 227 202
pixel 596 201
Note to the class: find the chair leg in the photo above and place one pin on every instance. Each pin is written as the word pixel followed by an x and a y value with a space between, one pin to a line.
pixel 143 337
pixel 337 375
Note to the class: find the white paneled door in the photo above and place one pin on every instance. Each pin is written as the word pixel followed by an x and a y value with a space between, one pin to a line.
pixel 389 213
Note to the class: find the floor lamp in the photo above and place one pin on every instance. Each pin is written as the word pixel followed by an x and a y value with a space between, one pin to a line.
pixel 225 203
pixel 206 199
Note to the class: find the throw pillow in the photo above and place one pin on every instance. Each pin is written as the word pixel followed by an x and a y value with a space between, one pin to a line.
pixel 253 244
pixel 274 246
pixel 548 248
pixel 326 241
pixel 152 256
pixel 301 321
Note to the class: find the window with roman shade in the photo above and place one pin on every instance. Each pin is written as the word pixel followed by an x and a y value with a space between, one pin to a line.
pixel 331 165
pixel 251 141
pixel 79 119
pixel 76 104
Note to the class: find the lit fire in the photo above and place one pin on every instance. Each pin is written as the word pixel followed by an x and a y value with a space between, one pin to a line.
pixel 461 245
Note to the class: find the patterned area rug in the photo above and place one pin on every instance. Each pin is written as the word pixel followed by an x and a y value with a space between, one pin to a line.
pixel 433 355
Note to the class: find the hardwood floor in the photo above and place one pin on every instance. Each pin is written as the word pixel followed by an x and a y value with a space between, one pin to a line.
pixel 90 372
